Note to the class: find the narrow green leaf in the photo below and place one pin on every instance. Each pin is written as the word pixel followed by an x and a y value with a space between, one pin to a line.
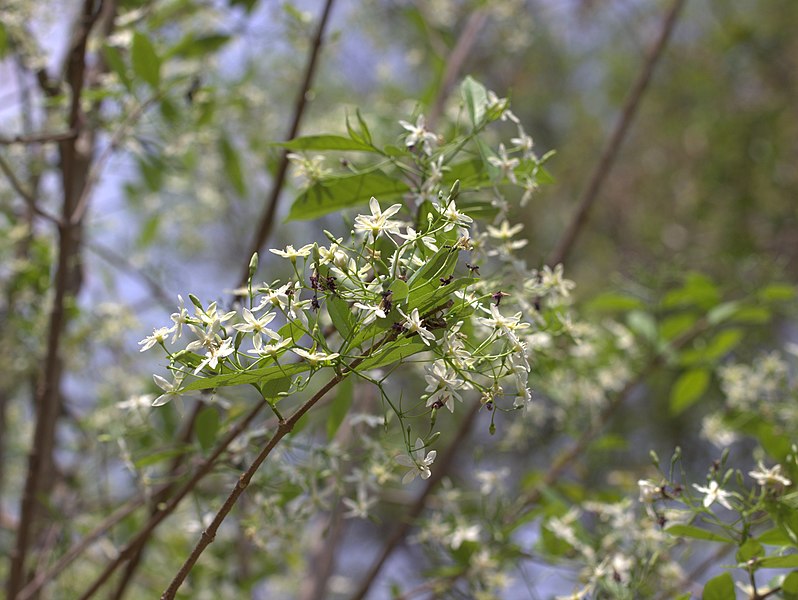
pixel 777 292
pixel 207 426
pixel 232 166
pixel 325 142
pixel 719 588
pixel 114 60
pixel 364 128
pixel 258 376
pixel 475 96
pixel 341 315
pixel 722 312
pixel 690 531
pixel 336 193
pixel 392 353
pixel 788 561
pixel 145 60
pixel 340 406
pixel 688 389
pixel 194 45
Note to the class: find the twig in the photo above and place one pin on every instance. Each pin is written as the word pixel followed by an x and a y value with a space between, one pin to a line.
pixel 144 533
pixel 39 138
pixel 26 195
pixel 441 468
pixel 567 457
pixel 267 220
pixel 610 153
pixel 40 458
pixel 284 427
pixel 454 63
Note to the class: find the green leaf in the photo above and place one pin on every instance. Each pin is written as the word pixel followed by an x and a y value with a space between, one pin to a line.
pixel 145 60
pixel 400 290
pixel 194 45
pixel 643 324
pixel 475 96
pixel 722 312
pixel 3 41
pixel 392 353
pixel 336 193
pixel 752 315
pixel 790 584
pixel 342 318
pixel 750 549
pixel 719 588
pixel 774 537
pixel 675 325
pixel 232 166
pixel 788 561
pixel 114 60
pixel 325 142
pixel 207 426
pixel 777 292
pixel 688 389
pixel 259 376
pixel 614 302
pixel 690 531
pixel 340 406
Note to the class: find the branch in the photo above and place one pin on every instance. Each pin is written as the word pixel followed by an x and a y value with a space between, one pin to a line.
pixel 39 138
pixel 454 63
pixel 40 457
pixel 569 456
pixel 267 220
pixel 397 537
pixel 143 535
pixel 27 196
pixel 610 153
pixel 284 427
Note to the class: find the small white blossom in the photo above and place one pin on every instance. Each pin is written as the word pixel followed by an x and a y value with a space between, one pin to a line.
pixel 215 354
pixel 291 253
pixel 359 509
pixel 378 221
pixel 413 324
pixel 158 337
pixel 771 477
pixel 419 134
pixel 443 384
pixel 253 324
pixel 417 462
pixel 372 312
pixel 505 164
pixel 171 389
pixel 464 533
pixel 713 494
pixel 315 358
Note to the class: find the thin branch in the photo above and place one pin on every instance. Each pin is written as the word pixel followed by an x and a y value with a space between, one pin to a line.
pixel 400 533
pixel 144 533
pixel 267 220
pixel 284 428
pixel 565 459
pixel 40 457
pixel 454 63
pixel 39 138
pixel 27 196
pixel 613 146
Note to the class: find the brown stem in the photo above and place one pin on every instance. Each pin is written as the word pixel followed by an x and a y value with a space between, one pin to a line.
pixel 267 220
pixel 442 466
pixel 284 427
pixel 38 138
pixel 565 459
pixel 74 163
pixel 145 532
pixel 613 146
pixel 456 59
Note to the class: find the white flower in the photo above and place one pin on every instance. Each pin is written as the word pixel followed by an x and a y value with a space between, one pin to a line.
pixel 524 142
pixel 463 533
pixel 171 389
pixel 491 480
pixel 257 325
pixel 649 491
pixel 714 493
pixel 158 337
pixel 420 134
pixel 530 187
pixel 179 318
pixel 378 221
pixel 418 463
pixel 308 170
pixel 504 163
pixel 270 350
pixel 453 216
pixel 215 354
pixel 442 381
pixel 291 253
pixel 315 358
pixel 771 477
pixel 413 325
pixel 553 281
pixel 504 232
pixel 359 509
pixel 372 312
